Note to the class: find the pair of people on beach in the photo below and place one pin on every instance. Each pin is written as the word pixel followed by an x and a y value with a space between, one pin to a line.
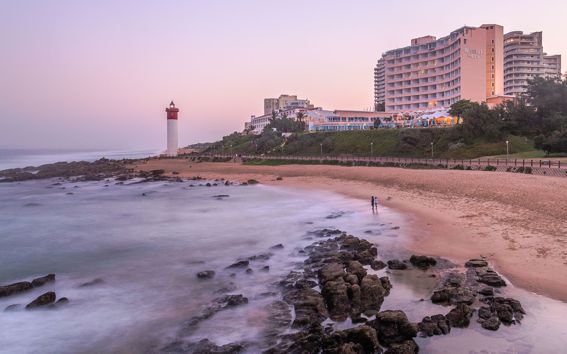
pixel 374 203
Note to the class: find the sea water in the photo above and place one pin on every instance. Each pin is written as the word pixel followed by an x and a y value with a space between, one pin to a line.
pixel 147 241
pixel 15 158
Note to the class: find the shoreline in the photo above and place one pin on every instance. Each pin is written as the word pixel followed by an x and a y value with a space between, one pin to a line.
pixel 515 221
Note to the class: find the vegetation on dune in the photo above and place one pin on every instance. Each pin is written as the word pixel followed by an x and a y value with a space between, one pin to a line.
pixel 537 122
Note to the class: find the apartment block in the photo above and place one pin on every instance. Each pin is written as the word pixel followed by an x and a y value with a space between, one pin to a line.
pixel 285 102
pixel 435 73
pixel 525 59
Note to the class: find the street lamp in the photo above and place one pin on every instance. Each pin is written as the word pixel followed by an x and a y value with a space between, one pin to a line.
pixel 371 149
pixel 432 149
pixel 321 146
pixel 507 149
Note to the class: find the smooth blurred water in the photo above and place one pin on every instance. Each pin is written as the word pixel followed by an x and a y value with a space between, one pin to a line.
pixel 20 158
pixel 147 241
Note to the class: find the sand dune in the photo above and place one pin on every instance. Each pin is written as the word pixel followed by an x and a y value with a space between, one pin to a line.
pixel 517 221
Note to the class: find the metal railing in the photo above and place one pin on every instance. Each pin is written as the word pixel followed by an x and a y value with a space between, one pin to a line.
pixel 539 167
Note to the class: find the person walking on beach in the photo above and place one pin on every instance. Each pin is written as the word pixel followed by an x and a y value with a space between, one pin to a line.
pixel 372 203
pixel 375 203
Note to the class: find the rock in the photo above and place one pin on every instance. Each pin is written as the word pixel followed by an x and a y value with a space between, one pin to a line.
pixel 351 279
pixel 361 339
pixel 486 291
pixel 434 326
pixel 204 346
pixel 386 285
pixel 42 300
pixel 371 294
pixel 504 312
pixel 278 320
pixel 491 278
pixel 422 262
pixel 405 347
pixel 206 274
pixel 15 288
pixel 261 257
pixel 484 312
pixel 377 265
pixel 397 264
pixel 330 272
pixel 309 307
pixel 354 296
pixel 95 281
pixel 249 271
pixel 265 269
pixel 336 298
pixel 279 246
pixel 453 296
pixel 492 323
pixel 239 264
pixel 356 268
pixel 62 301
pixel 475 263
pixel 460 316
pixel 393 327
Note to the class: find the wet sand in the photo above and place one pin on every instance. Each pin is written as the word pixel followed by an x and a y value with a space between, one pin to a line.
pixel 519 222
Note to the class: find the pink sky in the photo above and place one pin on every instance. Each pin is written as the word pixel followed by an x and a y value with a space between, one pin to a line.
pixel 98 74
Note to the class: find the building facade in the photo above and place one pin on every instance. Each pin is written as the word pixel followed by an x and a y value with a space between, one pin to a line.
pixel 285 102
pixel 379 88
pixel 525 59
pixel 435 73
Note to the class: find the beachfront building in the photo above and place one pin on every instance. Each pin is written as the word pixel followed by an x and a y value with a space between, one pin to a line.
pixel 285 102
pixel 525 59
pixel 435 73
pixel 379 88
pixel 342 120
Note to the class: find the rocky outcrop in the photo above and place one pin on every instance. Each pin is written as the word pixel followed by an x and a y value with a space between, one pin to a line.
pixel 218 304
pixel 393 327
pixel 42 300
pixel 15 288
pixel 434 326
pixel 460 316
pixel 239 264
pixel 397 264
pixel 206 274
pixel 43 280
pixel 309 307
pixel 422 262
pixel 203 346
pixel 372 293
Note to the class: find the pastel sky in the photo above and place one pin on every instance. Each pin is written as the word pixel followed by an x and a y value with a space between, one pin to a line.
pixel 99 73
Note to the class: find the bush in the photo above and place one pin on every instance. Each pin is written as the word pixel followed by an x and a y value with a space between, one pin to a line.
pixel 490 168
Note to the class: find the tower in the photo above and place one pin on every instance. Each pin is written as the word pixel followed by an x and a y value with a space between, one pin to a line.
pixel 171 129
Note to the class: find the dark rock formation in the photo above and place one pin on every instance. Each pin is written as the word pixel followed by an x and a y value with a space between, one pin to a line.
pixel 460 316
pixel 372 294
pixel 422 262
pixel 95 281
pixel 239 264
pixel 42 300
pixel 206 274
pixel 397 264
pixel 434 326
pixel 15 288
pixel 393 327
pixel 203 346
pixel 475 263
pixel 405 347
pixel 43 280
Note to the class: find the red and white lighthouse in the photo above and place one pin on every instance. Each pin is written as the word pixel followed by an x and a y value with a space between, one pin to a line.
pixel 171 129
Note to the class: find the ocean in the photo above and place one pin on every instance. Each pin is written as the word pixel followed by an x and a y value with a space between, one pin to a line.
pixel 19 158
pixel 145 243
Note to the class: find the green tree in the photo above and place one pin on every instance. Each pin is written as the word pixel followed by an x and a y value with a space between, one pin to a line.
pixel 479 121
pixel 458 108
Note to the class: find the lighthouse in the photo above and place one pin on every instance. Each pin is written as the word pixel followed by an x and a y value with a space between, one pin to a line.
pixel 171 129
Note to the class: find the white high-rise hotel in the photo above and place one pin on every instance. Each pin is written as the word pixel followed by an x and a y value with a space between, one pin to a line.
pixel 480 64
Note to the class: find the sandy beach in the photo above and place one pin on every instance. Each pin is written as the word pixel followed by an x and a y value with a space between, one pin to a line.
pixel 517 221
